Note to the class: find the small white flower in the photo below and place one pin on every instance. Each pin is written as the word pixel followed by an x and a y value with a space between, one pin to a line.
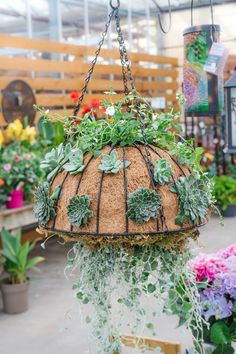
pixel 110 111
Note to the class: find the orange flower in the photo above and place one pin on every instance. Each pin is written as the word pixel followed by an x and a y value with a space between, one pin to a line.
pixel 1 182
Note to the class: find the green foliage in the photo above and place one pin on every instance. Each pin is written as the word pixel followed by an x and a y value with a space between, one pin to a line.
pixel 78 210
pixel 162 171
pixel 23 169
pixel 187 155
pixel 220 333
pixel 75 164
pixel 50 134
pixel 194 196
pixel 130 279
pixel 111 164
pixel 44 204
pixel 225 191
pixel 143 205
pixel 16 256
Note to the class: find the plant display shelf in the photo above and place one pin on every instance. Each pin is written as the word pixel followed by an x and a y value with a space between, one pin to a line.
pixel 166 347
pixel 12 219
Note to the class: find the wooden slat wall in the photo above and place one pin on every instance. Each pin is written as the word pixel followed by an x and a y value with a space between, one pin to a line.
pixel 53 79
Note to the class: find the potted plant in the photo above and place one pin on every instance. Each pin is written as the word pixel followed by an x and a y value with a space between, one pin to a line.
pixel 19 174
pixel 17 264
pixel 216 279
pixel 225 194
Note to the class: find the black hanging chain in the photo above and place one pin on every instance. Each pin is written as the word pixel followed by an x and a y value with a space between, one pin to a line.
pixel 93 62
pixel 126 69
pixel 125 64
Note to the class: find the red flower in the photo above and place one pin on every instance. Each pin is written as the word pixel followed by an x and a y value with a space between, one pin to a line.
pixel 93 105
pixel 74 95
pixel 1 182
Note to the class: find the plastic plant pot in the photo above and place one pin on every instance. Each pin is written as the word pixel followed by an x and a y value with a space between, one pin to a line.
pixel 15 297
pixel 15 199
pixel 230 211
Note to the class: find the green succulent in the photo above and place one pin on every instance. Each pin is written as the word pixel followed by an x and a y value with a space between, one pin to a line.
pixel 44 204
pixel 75 164
pixel 111 164
pixel 78 210
pixel 194 198
pixel 143 205
pixel 55 159
pixel 162 171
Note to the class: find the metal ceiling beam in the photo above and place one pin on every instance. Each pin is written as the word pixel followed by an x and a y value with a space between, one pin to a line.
pixel 199 4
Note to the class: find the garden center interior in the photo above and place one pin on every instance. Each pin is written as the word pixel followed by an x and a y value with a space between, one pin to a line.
pixel 118 176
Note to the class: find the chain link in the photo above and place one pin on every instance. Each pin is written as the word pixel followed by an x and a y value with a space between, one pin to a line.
pixel 93 62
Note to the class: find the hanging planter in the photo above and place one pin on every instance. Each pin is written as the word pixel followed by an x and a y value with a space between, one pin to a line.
pixel 130 192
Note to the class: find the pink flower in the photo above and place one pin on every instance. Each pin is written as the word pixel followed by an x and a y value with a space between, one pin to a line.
pixel 229 251
pixel 17 158
pixel 31 179
pixel 7 166
pixel 207 266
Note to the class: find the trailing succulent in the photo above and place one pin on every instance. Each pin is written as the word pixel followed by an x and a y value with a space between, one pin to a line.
pixel 44 203
pixel 78 210
pixel 162 171
pixel 194 199
pixel 143 205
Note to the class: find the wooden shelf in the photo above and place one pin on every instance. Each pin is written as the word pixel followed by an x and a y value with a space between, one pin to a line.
pixel 17 218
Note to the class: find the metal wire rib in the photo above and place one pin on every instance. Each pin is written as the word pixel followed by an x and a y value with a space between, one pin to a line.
pixel 59 195
pixel 80 179
pixel 107 234
pixel 162 215
pixel 99 196
pixel 150 175
pixel 125 190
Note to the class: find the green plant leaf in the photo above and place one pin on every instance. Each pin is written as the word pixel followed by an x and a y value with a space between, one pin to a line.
pixel 220 333
pixel 223 349
pixel 151 288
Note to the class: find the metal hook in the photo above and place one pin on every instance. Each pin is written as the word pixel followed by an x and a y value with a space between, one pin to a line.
pixel 115 7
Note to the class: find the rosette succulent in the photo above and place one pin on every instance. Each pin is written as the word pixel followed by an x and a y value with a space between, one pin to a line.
pixel 194 199
pixel 143 205
pixel 162 171
pixel 55 159
pixel 44 204
pixel 75 163
pixel 111 164
pixel 78 210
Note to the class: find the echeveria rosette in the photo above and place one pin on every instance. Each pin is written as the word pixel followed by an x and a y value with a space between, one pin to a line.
pixel 194 199
pixel 75 163
pixel 110 163
pixel 78 210
pixel 143 205
pixel 44 205
pixel 162 171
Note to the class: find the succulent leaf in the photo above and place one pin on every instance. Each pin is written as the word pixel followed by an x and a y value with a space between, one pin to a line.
pixel 194 199
pixel 75 164
pixel 162 171
pixel 143 205
pixel 44 205
pixel 110 163
pixel 78 210
pixel 55 159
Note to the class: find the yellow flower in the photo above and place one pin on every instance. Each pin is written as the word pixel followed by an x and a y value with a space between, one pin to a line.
pixel 14 130
pixel 1 138
pixel 29 134
pixel 209 156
